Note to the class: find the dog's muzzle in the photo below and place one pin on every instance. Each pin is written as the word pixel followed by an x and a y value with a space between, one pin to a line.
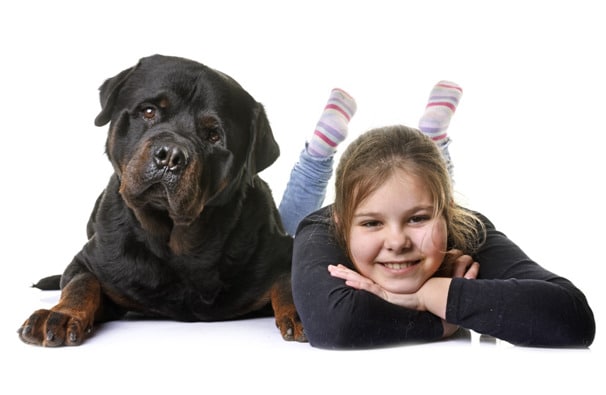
pixel 163 175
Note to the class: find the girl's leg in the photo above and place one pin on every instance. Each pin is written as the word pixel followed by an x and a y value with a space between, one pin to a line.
pixel 309 177
pixel 443 101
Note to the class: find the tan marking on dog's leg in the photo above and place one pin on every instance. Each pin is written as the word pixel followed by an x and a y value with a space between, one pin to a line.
pixel 71 320
pixel 287 318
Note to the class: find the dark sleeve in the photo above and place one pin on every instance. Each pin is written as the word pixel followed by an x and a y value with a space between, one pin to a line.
pixel 516 300
pixel 337 316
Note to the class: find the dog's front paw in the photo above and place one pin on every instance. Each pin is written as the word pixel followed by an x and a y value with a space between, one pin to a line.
pixel 291 327
pixel 53 329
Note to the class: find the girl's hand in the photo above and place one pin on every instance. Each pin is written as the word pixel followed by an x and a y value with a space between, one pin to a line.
pixel 457 264
pixel 358 281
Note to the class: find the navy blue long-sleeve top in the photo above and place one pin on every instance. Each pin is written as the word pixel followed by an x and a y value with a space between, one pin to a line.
pixel 513 299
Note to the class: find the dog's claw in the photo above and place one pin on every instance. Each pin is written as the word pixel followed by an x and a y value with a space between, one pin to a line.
pixel 24 330
pixel 292 330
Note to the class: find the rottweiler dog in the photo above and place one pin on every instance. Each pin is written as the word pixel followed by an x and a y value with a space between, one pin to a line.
pixel 185 229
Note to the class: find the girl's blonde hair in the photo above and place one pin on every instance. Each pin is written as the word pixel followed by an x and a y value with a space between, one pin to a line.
pixel 374 156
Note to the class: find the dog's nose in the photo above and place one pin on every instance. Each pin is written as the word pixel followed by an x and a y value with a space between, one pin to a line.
pixel 172 158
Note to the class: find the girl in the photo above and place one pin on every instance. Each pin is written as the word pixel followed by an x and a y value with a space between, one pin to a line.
pixel 395 260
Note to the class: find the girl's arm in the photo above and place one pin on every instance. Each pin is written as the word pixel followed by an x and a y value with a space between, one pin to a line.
pixel 335 315
pixel 432 296
pixel 517 300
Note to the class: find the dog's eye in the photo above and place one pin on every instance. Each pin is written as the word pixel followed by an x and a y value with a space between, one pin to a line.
pixel 149 113
pixel 213 136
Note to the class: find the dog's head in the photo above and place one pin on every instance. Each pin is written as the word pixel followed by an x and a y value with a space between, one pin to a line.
pixel 182 136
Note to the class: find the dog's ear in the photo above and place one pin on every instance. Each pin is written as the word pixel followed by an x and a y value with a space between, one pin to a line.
pixel 264 148
pixel 108 92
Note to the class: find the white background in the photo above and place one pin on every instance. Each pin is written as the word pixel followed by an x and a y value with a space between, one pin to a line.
pixel 528 141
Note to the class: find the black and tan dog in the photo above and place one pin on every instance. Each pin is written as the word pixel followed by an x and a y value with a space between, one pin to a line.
pixel 185 229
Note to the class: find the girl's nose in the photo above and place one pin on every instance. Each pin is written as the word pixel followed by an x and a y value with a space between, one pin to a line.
pixel 397 240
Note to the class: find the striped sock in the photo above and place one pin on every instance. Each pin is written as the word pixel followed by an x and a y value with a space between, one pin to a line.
pixel 331 129
pixel 442 103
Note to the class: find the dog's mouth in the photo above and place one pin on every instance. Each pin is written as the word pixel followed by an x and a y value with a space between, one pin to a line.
pixel 157 198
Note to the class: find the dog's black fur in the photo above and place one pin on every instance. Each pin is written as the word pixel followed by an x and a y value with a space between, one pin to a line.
pixel 185 229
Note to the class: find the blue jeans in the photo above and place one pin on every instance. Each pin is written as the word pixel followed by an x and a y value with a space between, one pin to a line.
pixel 306 189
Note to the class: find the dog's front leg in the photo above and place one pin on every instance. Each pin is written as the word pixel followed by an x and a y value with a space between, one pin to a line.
pixel 70 321
pixel 287 318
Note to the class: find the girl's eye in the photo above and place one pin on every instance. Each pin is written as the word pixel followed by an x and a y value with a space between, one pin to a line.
pixel 149 113
pixel 419 218
pixel 370 224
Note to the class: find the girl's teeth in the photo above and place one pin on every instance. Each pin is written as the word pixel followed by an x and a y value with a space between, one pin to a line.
pixel 397 266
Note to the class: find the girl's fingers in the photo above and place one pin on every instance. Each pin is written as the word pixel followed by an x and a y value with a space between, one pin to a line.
pixel 472 272
pixel 352 278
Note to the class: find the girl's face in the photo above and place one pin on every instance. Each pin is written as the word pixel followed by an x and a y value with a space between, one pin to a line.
pixel 394 238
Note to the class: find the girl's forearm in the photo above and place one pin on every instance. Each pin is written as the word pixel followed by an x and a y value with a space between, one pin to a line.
pixel 433 296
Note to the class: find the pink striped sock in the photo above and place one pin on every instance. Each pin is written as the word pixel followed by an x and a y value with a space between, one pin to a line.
pixel 332 127
pixel 442 103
